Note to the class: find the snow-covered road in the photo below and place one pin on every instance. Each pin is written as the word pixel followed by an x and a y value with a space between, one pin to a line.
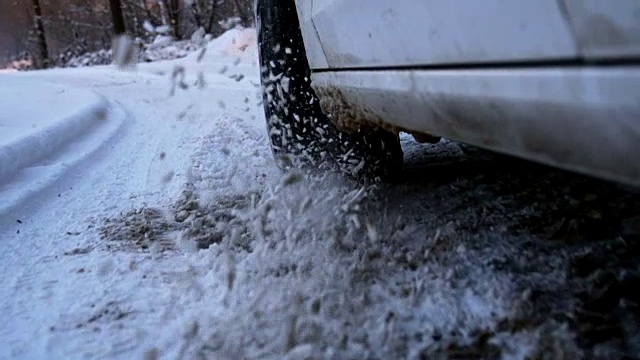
pixel 57 278
pixel 164 230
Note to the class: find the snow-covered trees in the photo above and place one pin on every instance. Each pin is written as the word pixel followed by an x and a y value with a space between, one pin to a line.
pixel 75 27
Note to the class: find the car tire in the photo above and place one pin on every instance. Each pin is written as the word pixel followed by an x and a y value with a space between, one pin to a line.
pixel 301 135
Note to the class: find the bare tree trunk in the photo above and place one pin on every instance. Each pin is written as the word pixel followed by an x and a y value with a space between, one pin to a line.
pixel 116 17
pixel 196 15
pixel 43 51
pixel 211 18
pixel 174 17
pixel 244 19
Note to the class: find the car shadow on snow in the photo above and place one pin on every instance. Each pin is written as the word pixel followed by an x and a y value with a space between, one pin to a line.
pixel 569 242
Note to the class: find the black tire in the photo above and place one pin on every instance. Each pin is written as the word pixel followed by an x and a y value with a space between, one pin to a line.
pixel 301 135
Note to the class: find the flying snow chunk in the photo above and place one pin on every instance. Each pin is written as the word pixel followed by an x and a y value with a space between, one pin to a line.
pixel 177 79
pixel 148 27
pixel 285 84
pixel 201 54
pixel 200 82
pixel 198 37
pixel 125 53
pixel 160 41
pixel 164 29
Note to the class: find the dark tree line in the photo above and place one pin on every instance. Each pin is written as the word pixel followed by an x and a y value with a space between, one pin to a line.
pixel 61 27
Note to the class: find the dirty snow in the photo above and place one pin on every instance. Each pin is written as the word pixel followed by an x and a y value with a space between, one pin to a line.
pixel 167 232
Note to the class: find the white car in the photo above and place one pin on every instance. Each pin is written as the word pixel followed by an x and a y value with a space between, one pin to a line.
pixel 554 81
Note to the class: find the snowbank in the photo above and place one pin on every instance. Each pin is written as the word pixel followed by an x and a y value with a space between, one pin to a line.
pixel 238 43
pixel 39 118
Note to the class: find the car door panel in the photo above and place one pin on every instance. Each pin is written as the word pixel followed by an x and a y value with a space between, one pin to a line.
pixel 605 29
pixel 382 33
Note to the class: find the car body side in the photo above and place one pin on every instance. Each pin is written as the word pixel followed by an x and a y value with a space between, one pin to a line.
pixel 554 81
